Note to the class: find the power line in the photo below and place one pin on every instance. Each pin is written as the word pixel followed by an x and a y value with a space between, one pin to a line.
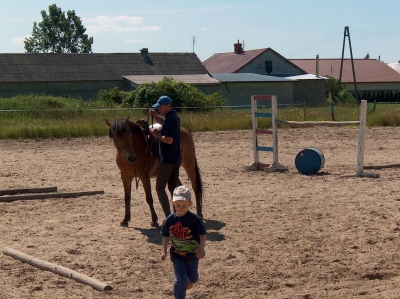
pixel 355 32
pixel 322 42
pixel 375 33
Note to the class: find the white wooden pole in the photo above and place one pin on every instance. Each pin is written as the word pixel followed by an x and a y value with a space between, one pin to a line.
pixel 274 130
pixel 361 143
pixel 361 137
pixel 276 166
pixel 25 258
pixel 255 126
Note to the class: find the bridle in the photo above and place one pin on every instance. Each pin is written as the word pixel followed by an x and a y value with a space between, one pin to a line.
pixel 121 150
pixel 130 146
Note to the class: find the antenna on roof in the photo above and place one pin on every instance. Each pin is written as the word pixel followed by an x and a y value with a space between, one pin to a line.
pixel 242 45
pixel 193 42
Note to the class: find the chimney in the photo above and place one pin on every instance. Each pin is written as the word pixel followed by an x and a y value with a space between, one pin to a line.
pixel 317 66
pixel 238 48
pixel 146 56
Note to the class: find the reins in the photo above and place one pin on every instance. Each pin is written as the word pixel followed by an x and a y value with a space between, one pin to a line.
pixel 145 160
pixel 152 119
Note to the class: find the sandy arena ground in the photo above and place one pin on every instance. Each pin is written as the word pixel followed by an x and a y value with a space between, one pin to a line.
pixel 278 235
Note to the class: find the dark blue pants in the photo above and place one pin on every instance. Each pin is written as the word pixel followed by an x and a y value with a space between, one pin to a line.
pixel 184 272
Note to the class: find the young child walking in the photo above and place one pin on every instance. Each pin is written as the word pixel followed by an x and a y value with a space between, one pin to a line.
pixel 188 238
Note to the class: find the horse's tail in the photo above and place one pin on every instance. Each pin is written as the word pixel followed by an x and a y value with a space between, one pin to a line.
pixel 199 184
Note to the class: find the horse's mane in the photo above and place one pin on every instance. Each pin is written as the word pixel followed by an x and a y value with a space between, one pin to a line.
pixel 119 127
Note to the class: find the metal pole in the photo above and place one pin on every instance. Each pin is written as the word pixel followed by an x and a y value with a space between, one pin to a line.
pixel 352 64
pixel 341 63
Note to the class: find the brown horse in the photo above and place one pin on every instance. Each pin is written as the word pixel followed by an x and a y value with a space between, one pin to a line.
pixel 135 160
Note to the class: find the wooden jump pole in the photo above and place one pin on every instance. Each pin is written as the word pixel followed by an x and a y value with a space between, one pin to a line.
pixel 316 123
pixel 94 283
pixel 49 195
pixel 28 190
pixel 381 166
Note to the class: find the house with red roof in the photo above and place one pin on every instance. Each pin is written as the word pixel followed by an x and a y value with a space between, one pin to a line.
pixel 371 76
pixel 298 80
pixel 264 71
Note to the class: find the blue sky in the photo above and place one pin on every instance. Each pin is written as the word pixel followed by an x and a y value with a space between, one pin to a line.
pixel 293 28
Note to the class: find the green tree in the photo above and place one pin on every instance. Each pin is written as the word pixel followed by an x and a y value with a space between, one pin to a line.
pixel 58 33
pixel 339 92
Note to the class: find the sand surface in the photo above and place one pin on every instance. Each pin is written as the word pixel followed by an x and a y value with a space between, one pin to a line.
pixel 270 235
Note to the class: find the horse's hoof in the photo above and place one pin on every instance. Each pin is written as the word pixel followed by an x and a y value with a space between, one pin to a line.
pixel 124 224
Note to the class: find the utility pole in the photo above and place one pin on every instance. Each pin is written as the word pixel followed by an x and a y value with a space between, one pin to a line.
pixel 347 33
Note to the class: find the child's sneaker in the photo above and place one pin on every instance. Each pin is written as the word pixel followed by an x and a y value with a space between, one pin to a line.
pixel 189 285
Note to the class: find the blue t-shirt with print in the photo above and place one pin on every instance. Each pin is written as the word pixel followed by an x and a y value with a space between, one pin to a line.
pixel 185 234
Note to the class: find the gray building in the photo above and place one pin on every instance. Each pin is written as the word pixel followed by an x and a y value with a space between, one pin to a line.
pixel 84 75
pixel 239 87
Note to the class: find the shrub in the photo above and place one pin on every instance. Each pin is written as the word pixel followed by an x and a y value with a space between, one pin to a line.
pixel 183 95
pixel 112 95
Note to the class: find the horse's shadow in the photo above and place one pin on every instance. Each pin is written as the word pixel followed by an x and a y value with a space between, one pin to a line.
pixel 212 227
pixel 153 234
pixel 213 224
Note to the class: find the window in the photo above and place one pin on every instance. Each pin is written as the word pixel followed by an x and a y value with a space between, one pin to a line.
pixel 268 67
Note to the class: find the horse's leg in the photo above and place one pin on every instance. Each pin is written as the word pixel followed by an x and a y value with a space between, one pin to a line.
pixel 193 173
pixel 171 187
pixel 127 182
pixel 149 198
pixel 199 191
pixel 189 162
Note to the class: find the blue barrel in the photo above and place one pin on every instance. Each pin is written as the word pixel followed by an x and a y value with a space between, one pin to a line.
pixel 310 160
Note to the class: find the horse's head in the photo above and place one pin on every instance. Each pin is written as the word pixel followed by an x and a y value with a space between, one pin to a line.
pixel 121 132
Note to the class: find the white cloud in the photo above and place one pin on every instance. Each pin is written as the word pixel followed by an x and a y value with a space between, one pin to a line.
pixel 203 29
pixel 18 20
pixel 117 24
pixel 200 9
pixel 12 20
pixel 136 41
